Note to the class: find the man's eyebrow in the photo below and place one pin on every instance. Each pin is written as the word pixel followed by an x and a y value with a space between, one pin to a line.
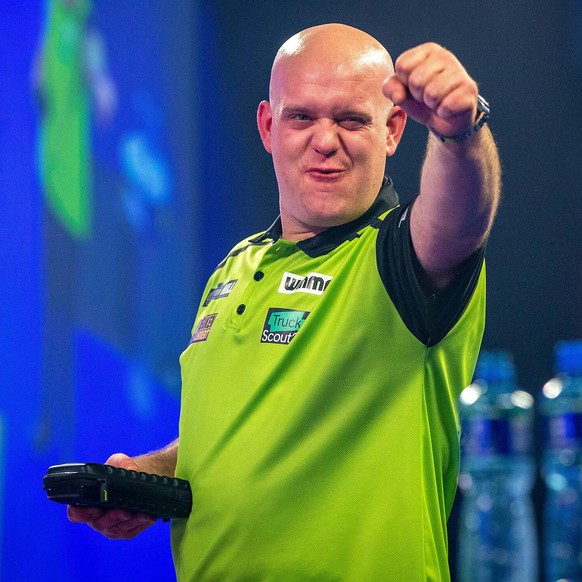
pixel 290 109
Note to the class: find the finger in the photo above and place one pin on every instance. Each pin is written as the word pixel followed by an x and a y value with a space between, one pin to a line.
pixel 131 533
pixel 110 519
pixel 422 107
pixel 83 514
pixel 122 461
pixel 122 524
pixel 399 95
pixel 426 80
pixel 126 530
pixel 430 72
pixel 439 91
pixel 458 103
pixel 416 110
pixel 411 59
pixel 394 89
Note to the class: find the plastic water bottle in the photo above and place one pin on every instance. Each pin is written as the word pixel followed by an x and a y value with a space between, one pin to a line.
pixel 561 407
pixel 497 533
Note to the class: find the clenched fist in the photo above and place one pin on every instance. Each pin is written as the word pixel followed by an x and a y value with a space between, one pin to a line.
pixel 434 89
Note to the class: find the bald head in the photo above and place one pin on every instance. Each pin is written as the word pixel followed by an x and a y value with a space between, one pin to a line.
pixel 338 47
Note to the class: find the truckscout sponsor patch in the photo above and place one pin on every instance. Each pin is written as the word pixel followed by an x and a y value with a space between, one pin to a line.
pixel 281 325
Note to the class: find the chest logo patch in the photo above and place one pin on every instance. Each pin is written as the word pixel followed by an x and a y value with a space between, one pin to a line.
pixel 281 325
pixel 203 328
pixel 314 283
pixel 220 291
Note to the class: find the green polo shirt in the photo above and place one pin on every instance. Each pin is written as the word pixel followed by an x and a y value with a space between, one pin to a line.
pixel 319 429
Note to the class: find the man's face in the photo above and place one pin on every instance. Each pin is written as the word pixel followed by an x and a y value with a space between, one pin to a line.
pixel 326 127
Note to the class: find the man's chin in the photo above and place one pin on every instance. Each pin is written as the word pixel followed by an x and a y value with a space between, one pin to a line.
pixel 331 219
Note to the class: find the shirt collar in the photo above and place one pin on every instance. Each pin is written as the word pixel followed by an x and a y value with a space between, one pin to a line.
pixel 329 239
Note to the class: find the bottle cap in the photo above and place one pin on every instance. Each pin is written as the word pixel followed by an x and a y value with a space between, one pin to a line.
pixel 568 357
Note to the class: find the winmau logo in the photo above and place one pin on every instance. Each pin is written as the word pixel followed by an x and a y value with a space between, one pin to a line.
pixel 282 325
pixel 220 291
pixel 314 283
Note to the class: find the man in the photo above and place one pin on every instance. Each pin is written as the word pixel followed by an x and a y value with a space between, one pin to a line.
pixel 319 426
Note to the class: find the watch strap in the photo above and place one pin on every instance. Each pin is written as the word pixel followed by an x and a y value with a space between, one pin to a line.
pixel 483 113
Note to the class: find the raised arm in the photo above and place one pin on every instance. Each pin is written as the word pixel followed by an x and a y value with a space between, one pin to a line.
pixel 460 182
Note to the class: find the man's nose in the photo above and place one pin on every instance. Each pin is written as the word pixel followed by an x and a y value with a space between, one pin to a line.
pixel 325 139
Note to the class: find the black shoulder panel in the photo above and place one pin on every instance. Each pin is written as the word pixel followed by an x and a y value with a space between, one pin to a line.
pixel 429 317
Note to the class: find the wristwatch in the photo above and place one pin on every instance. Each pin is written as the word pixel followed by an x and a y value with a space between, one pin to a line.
pixel 483 112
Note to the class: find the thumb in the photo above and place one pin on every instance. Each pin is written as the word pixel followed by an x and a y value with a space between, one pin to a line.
pixel 398 93
pixel 122 461
pixel 394 89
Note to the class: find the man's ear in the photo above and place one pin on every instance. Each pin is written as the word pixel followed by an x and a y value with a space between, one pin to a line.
pixel 394 128
pixel 264 122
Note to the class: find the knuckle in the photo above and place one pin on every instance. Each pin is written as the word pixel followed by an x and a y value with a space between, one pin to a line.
pixel 431 95
pixel 433 46
pixel 415 81
pixel 446 111
pixel 404 63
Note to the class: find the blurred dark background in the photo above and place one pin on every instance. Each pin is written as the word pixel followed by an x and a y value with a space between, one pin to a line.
pixel 178 175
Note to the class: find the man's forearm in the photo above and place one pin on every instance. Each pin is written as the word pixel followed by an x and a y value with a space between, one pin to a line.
pixel 459 193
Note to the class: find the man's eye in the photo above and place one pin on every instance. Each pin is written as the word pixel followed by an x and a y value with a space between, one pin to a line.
pixel 352 122
pixel 300 117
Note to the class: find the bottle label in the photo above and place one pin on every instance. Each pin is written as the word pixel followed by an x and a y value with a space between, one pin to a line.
pixel 496 436
pixel 563 430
